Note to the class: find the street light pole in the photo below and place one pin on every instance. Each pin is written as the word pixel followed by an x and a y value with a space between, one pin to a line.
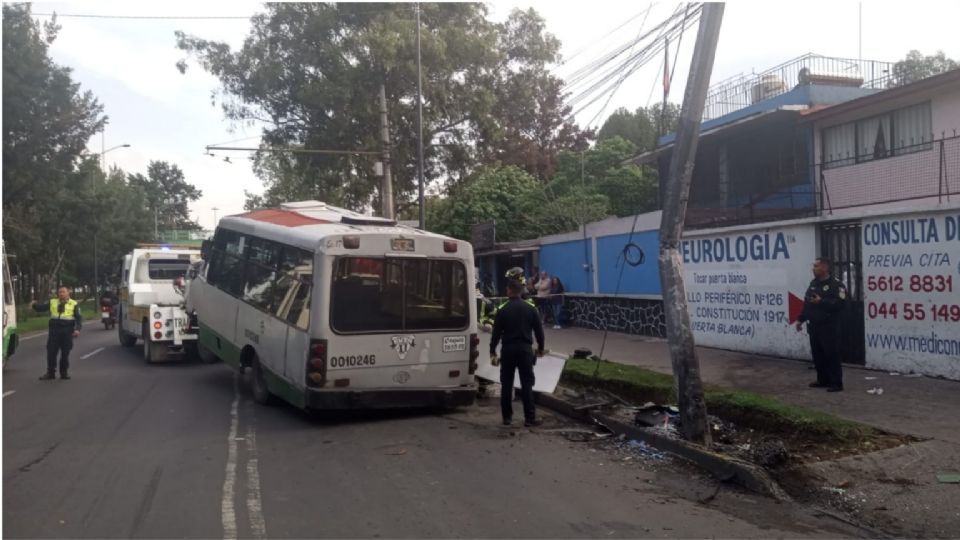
pixel 420 124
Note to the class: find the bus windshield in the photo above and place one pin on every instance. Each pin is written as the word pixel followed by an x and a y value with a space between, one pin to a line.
pixel 380 295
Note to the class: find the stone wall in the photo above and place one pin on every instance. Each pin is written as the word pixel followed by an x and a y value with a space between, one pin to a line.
pixel 628 315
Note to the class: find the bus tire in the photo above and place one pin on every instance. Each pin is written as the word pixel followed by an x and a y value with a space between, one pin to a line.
pixel 261 393
pixel 152 352
pixel 126 338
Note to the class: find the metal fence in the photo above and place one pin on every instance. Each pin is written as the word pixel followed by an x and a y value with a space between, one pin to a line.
pixel 744 90
pixel 927 171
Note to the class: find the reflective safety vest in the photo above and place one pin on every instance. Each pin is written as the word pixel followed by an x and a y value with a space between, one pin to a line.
pixel 69 309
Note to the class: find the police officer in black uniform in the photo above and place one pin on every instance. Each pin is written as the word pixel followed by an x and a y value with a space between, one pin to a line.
pixel 515 322
pixel 824 301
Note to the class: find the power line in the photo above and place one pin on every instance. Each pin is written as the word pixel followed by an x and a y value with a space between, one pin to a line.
pixel 609 33
pixel 144 17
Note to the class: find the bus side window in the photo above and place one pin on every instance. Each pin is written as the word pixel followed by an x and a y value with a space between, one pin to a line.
pixel 261 283
pixel 296 276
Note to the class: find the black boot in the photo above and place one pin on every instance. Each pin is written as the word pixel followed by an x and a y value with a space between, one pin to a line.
pixel 63 375
pixel 48 376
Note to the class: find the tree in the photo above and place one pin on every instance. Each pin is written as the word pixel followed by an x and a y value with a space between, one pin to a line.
pixel 47 121
pixel 915 66
pixel 167 194
pixel 642 127
pixel 602 170
pixel 311 72
pixel 505 194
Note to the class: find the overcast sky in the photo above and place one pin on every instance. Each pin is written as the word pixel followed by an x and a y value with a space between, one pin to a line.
pixel 129 64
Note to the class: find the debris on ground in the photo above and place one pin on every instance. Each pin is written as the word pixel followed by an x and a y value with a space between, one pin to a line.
pixel 870 378
pixel 395 452
pixel 770 452
pixel 948 478
pixel 639 449
pixel 876 390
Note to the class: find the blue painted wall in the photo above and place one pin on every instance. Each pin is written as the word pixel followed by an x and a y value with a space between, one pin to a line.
pixel 565 260
pixel 642 279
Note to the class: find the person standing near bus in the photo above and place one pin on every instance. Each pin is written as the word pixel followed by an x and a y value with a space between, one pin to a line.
pixel 517 323
pixel 64 326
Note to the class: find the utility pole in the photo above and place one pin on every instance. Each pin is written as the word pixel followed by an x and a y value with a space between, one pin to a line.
pixel 386 186
pixel 683 353
pixel 420 124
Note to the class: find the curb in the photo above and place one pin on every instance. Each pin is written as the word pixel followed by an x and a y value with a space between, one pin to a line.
pixel 722 467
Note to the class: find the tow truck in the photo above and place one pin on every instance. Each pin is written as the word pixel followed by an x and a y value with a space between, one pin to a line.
pixel 152 306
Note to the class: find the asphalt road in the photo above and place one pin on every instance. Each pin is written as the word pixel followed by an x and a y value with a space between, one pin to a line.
pixel 180 450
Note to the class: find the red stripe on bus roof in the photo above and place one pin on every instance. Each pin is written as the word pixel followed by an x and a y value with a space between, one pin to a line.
pixel 283 217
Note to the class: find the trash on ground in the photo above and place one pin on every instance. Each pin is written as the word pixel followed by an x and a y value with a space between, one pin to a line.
pixel 913 375
pixel 870 378
pixel 876 390
pixel 769 453
pixel 645 450
pixel 894 373
pixel 396 452
pixel 948 478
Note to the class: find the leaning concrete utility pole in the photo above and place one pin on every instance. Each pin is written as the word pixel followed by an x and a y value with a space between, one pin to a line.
pixel 386 186
pixel 683 353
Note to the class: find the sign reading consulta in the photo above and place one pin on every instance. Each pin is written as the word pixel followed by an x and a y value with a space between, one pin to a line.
pixel 911 281
pixel 745 288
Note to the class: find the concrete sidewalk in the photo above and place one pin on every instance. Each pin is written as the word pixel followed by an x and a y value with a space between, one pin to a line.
pixel 894 490
pixel 921 406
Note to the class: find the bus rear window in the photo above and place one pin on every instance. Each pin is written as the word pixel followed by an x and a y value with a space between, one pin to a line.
pixel 377 295
pixel 167 268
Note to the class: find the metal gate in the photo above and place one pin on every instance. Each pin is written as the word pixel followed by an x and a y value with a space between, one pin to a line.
pixel 840 242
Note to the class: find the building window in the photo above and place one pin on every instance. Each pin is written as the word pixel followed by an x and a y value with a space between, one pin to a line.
pixel 912 129
pixel 873 138
pixel 839 146
pixel 899 132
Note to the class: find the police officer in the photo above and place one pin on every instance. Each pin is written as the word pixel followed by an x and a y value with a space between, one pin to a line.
pixel 65 322
pixel 515 322
pixel 822 305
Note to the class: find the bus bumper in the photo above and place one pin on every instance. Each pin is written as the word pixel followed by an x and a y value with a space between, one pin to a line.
pixel 391 398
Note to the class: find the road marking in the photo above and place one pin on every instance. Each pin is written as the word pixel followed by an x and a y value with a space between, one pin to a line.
pixel 228 514
pixel 88 355
pixel 8 392
pixel 258 527
pixel 41 334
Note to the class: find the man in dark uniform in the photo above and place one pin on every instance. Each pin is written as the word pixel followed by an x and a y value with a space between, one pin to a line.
pixel 65 323
pixel 822 305
pixel 516 323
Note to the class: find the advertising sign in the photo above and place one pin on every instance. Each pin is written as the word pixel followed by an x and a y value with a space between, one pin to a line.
pixel 745 289
pixel 911 267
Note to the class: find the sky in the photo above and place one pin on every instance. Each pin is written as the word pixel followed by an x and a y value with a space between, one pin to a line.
pixel 129 65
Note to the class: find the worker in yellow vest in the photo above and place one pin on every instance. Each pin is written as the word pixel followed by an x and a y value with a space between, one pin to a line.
pixel 65 321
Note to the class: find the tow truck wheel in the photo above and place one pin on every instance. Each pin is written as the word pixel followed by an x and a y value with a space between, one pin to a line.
pixel 126 339
pixel 261 393
pixel 152 352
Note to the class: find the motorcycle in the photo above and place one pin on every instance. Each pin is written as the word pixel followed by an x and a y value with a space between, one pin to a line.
pixel 107 316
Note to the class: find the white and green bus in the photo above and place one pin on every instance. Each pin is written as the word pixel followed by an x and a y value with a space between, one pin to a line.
pixel 331 309
pixel 10 337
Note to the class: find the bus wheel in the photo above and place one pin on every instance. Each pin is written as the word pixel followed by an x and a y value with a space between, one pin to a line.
pixel 261 393
pixel 152 352
pixel 126 339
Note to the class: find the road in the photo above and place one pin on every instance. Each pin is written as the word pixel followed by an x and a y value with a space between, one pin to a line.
pixel 180 450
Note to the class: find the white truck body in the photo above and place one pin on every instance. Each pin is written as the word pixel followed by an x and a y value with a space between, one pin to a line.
pixel 152 303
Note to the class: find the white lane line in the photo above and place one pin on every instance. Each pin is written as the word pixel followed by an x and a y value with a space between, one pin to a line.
pixel 42 334
pixel 89 354
pixel 258 526
pixel 228 514
pixel 8 392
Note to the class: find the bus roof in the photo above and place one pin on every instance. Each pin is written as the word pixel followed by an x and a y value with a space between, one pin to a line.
pixel 306 223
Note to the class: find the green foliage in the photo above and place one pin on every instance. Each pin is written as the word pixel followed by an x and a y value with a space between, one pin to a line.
pixel 915 66
pixel 167 192
pixel 641 127
pixel 601 170
pixel 312 72
pixel 57 203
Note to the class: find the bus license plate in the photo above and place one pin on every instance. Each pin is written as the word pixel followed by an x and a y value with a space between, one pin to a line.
pixel 401 244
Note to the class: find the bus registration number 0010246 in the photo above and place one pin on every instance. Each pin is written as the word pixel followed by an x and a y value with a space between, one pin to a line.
pixel 359 360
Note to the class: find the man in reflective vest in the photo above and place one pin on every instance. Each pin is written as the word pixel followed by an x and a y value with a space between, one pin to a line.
pixel 65 321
